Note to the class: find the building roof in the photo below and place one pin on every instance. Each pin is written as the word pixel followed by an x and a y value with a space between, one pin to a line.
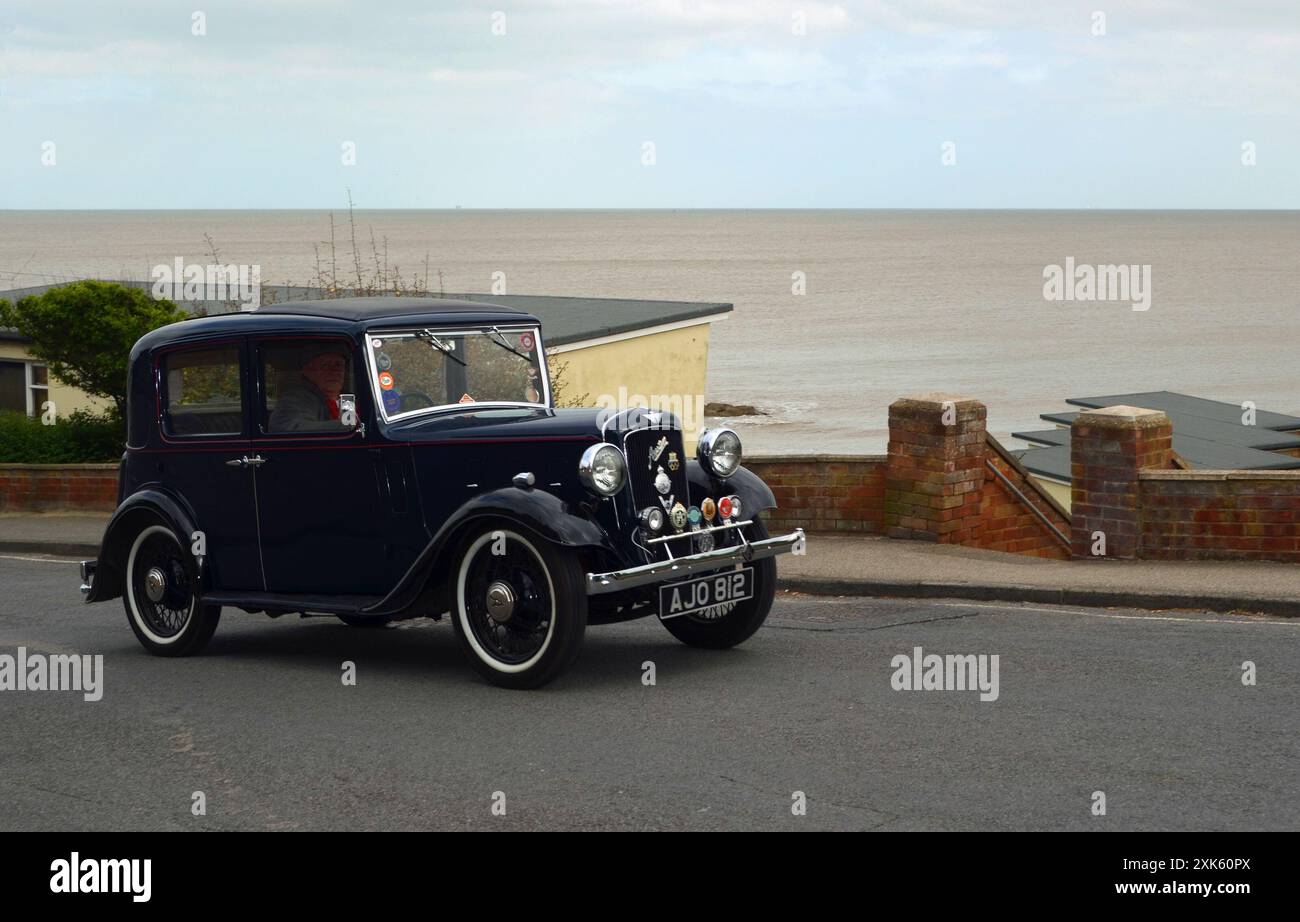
pixel 1184 405
pixel 383 308
pixel 1208 434
pixel 565 320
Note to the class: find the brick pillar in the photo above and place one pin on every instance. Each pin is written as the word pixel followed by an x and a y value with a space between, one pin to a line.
pixel 1107 449
pixel 936 468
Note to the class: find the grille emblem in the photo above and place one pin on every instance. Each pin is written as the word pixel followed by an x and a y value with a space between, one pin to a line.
pixel 657 451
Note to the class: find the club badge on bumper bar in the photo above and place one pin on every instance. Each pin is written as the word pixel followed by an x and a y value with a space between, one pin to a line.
pixel 616 580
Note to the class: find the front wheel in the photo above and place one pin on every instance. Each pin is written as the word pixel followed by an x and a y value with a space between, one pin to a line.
pixel 162 605
pixel 521 607
pixel 727 625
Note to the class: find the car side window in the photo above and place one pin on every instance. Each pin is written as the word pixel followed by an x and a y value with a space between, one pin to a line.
pixel 301 384
pixel 204 392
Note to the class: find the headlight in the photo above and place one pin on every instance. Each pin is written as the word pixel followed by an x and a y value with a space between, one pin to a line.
pixel 719 452
pixel 602 469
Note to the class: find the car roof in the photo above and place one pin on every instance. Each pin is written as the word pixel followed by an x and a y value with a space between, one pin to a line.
pixel 383 308
pixel 342 315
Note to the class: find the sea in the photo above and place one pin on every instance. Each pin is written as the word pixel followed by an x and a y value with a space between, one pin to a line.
pixel 837 313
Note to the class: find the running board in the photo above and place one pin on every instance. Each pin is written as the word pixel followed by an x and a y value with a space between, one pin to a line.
pixel 289 602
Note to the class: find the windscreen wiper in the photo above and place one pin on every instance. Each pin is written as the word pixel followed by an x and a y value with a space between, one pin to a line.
pixel 505 344
pixel 435 342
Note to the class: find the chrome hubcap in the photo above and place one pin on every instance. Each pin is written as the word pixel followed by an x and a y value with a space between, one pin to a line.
pixel 500 602
pixel 155 584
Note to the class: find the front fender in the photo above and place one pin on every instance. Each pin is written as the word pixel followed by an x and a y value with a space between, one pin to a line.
pixel 755 495
pixel 545 515
pixel 122 527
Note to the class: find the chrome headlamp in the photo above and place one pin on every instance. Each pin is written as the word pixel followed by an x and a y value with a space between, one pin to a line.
pixel 602 469
pixel 719 452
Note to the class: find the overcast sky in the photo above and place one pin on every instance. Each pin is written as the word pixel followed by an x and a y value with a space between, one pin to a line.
pixel 748 103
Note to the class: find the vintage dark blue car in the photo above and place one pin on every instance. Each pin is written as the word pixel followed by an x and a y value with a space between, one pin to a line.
pixel 382 458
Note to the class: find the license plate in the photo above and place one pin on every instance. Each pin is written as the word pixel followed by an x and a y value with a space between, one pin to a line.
pixel 705 592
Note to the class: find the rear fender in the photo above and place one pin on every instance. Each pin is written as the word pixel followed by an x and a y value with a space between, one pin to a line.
pixel 148 505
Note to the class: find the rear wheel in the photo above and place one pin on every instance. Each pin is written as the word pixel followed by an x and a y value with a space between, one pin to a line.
pixel 727 625
pixel 162 604
pixel 520 607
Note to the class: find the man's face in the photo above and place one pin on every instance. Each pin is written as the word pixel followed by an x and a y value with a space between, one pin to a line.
pixel 327 372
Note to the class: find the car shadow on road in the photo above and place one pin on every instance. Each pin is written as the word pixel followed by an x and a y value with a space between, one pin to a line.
pixel 426 651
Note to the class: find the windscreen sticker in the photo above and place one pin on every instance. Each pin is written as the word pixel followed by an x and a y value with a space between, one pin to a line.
pixel 465 398
pixel 526 340
pixel 384 361
pixel 392 401
pixel 386 380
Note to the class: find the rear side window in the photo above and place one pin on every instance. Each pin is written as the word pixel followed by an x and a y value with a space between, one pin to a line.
pixel 302 382
pixel 204 392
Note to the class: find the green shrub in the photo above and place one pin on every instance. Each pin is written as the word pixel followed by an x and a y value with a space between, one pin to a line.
pixel 80 438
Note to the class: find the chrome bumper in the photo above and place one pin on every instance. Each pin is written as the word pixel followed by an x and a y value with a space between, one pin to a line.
pixel 662 571
pixel 87 575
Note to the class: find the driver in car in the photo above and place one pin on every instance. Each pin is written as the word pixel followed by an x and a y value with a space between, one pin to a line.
pixel 312 401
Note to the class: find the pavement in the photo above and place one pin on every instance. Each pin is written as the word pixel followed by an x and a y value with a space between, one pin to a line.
pixel 1150 710
pixel 836 565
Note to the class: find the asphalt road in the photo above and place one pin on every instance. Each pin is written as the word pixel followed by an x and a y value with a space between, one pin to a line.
pixel 1147 707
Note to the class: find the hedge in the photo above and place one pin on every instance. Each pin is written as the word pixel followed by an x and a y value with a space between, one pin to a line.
pixel 80 438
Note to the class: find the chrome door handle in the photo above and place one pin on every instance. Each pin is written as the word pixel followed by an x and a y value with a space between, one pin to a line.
pixel 255 461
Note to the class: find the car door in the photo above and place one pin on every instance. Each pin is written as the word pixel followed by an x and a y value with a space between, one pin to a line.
pixel 203 409
pixel 323 506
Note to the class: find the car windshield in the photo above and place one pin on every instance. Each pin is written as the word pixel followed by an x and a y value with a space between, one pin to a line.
pixel 424 369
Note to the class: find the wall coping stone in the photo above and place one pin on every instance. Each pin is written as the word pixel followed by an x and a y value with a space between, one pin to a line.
pixel 1204 474
pixel 1122 417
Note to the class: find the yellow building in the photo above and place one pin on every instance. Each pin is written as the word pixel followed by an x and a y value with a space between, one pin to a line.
pixel 26 385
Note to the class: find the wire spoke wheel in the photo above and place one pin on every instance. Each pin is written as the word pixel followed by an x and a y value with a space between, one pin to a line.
pixel 521 606
pixel 509 600
pixel 160 585
pixel 162 598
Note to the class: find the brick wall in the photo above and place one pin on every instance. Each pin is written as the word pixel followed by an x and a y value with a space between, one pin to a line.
pixel 1023 520
pixel 936 468
pixel 1220 515
pixel 58 487
pixel 1128 488
pixel 1108 447
pixel 825 493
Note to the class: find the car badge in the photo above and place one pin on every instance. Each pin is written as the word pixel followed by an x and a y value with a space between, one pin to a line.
pixel 678 516
pixel 658 450
pixel 694 515
pixel 663 483
pixel 673 463
pixel 708 508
